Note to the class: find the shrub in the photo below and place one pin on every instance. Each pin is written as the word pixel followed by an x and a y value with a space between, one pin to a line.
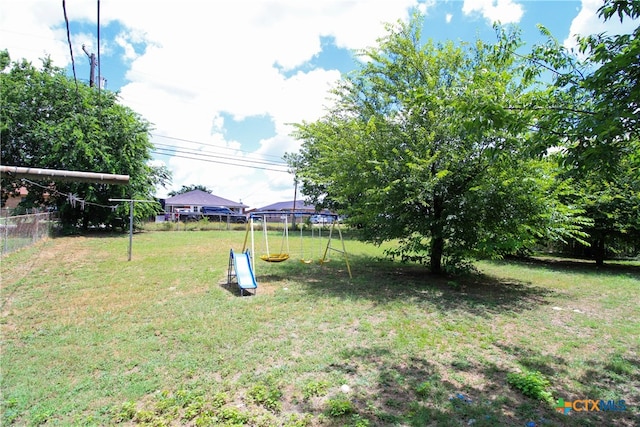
pixel 267 396
pixel 532 384
pixel 314 388
pixel 339 406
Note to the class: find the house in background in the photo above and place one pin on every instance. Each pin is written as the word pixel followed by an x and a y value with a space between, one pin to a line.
pixel 14 199
pixel 194 200
pixel 275 211
pixel 12 205
pixel 300 206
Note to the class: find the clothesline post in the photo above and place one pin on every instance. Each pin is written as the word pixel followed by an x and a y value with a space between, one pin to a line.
pixel 131 201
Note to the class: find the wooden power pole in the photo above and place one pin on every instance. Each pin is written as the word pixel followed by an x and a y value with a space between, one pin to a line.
pixel 92 63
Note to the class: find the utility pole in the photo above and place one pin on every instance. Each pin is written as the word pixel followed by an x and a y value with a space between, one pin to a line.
pixel 92 63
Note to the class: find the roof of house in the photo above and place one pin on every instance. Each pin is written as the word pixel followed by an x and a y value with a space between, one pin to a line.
pixel 201 198
pixel 288 206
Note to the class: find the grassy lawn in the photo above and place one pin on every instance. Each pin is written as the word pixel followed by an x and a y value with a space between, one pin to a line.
pixel 91 339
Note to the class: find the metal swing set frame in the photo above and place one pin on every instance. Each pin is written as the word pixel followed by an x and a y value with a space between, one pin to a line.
pixel 284 255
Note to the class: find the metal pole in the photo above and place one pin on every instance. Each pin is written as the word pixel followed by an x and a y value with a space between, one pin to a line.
pixel 131 201
pixel 6 230
pixel 253 248
pixel 63 175
pixel 130 228
pixel 293 210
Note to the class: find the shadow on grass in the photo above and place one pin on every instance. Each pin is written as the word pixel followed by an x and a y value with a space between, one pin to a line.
pixel 383 282
pixel 415 391
pixel 234 290
pixel 616 379
pixel 534 360
pixel 570 265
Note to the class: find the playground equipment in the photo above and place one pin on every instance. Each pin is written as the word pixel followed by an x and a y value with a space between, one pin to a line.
pixel 329 247
pixel 316 234
pixel 302 258
pixel 284 255
pixel 281 256
pixel 241 273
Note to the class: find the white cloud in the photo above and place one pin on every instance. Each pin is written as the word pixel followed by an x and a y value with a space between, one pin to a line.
pixel 504 11
pixel 448 18
pixel 189 61
pixel 232 64
pixel 588 22
pixel 29 32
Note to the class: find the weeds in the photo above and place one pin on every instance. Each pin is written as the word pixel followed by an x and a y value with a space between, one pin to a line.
pixel 339 406
pixel 532 384
pixel 266 395
pixel 314 388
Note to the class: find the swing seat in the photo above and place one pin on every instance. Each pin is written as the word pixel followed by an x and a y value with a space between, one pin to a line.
pixel 275 257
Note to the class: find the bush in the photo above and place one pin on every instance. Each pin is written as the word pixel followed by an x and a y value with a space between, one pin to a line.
pixel 267 396
pixel 532 384
pixel 339 406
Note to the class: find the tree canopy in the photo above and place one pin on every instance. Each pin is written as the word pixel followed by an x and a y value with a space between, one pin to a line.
pixel 426 144
pixel 593 119
pixel 188 188
pixel 50 121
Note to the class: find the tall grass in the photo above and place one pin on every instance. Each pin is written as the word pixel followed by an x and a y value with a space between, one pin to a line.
pixel 89 338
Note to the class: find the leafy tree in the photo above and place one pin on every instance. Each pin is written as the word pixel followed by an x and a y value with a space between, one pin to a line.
pixel 425 144
pixel 592 114
pixel 613 205
pixel 594 105
pixel 188 188
pixel 49 121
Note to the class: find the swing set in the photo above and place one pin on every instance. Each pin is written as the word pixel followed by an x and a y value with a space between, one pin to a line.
pixel 284 252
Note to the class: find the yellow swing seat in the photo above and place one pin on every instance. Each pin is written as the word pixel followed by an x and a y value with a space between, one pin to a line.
pixel 275 257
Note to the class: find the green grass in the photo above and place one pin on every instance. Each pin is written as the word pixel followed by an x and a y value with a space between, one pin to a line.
pixel 91 339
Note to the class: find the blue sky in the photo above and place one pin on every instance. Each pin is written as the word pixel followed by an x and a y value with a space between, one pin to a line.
pixel 222 81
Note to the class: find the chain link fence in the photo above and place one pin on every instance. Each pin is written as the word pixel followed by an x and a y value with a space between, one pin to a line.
pixel 23 230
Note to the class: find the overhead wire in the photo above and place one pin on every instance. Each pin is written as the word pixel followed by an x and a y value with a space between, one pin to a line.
pixel 211 145
pixel 219 158
pixel 209 154
pixel 73 64
pixel 99 63
pixel 172 153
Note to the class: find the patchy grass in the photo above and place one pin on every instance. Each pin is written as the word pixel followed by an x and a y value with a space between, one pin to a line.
pixel 89 338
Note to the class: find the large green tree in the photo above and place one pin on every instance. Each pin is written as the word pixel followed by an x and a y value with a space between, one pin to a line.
pixel 592 114
pixel 425 144
pixel 50 121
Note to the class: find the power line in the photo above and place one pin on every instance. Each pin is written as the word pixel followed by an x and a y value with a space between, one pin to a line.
pixel 216 156
pixel 172 153
pixel 73 64
pixel 99 64
pixel 210 145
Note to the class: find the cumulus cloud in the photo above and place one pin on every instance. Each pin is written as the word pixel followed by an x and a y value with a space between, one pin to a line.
pixel 588 22
pixel 236 59
pixel 188 62
pixel 504 11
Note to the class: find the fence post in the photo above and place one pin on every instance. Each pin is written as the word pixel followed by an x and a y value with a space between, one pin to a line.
pixel 6 231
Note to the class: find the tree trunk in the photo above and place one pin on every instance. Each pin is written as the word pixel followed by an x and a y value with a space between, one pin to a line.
pixel 437 238
pixel 435 261
pixel 599 251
